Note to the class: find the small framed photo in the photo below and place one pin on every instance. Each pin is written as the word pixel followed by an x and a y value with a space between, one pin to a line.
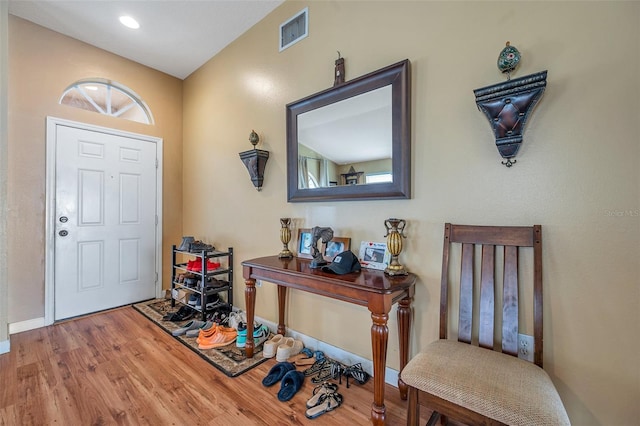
pixel 304 243
pixel 336 246
pixel 374 255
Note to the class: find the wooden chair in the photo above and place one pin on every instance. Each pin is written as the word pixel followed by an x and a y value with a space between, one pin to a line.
pixel 469 383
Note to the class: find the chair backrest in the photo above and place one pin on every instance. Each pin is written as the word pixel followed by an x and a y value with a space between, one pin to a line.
pixel 510 238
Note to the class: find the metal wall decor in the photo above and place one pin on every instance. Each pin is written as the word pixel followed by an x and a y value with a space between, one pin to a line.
pixel 255 160
pixel 338 75
pixel 508 105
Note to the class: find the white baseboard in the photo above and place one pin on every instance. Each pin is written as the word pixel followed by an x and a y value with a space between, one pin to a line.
pixel 391 375
pixel 5 347
pixel 32 324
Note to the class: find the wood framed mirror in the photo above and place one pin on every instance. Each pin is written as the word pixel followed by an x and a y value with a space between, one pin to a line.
pixel 352 141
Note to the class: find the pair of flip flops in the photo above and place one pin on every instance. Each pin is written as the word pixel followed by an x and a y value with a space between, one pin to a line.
pixel 290 380
pixel 325 398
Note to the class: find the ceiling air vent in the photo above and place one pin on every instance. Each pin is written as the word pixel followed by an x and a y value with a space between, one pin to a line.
pixel 294 29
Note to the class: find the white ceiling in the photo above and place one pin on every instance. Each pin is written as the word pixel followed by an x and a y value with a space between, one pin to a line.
pixel 175 36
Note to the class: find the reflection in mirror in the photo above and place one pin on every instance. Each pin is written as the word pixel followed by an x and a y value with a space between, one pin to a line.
pixel 352 141
pixel 346 143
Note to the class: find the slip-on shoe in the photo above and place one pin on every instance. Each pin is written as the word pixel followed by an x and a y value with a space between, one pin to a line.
pixel 277 372
pixel 191 325
pixel 271 346
pixel 290 384
pixel 289 348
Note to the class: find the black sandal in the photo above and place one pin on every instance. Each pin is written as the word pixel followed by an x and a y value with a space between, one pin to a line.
pixel 356 372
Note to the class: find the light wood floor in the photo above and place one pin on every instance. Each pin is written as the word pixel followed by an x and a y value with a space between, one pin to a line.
pixel 117 367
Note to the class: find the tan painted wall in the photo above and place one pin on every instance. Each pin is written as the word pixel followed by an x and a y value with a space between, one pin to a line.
pixel 42 64
pixel 577 173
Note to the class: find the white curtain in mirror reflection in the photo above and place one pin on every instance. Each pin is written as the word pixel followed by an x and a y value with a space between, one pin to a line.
pixel 312 172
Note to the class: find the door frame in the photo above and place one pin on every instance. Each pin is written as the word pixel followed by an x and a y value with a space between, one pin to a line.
pixel 50 208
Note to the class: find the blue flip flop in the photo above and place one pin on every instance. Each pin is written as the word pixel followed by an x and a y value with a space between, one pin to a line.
pixel 291 383
pixel 277 372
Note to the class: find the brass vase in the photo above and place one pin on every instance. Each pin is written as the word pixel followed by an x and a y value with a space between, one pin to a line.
pixel 285 237
pixel 395 234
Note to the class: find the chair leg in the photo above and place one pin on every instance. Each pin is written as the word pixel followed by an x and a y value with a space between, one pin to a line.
pixel 434 418
pixel 413 408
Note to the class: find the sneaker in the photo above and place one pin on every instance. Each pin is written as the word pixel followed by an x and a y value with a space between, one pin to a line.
pixel 237 317
pixel 260 335
pixel 194 300
pixel 194 332
pixel 222 337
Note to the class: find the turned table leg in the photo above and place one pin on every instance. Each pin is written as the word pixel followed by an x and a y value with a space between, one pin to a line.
pixel 282 300
pixel 404 326
pixel 250 303
pixel 379 339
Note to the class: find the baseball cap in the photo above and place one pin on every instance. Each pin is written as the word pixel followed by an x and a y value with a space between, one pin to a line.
pixel 343 263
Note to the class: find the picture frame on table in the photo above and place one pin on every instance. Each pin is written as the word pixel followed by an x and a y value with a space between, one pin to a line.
pixel 304 243
pixel 374 255
pixel 334 247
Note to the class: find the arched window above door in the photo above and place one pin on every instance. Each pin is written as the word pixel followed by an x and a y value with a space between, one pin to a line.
pixel 107 97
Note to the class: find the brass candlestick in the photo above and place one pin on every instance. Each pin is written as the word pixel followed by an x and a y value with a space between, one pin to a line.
pixel 285 237
pixel 395 234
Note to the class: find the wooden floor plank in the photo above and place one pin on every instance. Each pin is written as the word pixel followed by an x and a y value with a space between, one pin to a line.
pixel 119 368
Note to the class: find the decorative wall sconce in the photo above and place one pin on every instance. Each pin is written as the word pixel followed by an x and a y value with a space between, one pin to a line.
pixel 255 160
pixel 508 105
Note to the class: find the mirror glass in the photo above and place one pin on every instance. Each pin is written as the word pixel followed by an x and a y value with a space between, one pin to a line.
pixel 352 141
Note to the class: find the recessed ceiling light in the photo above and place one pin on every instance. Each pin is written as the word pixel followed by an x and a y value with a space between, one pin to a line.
pixel 129 22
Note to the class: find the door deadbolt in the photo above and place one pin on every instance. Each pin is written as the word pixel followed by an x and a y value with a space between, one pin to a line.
pixel 64 219
pixel 63 233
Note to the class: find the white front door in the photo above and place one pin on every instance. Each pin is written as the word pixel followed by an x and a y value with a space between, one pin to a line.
pixel 105 221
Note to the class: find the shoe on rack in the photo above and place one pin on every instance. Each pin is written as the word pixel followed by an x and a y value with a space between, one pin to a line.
pixel 196 265
pixel 191 325
pixel 260 335
pixel 289 348
pixel 193 299
pixel 211 301
pixel 222 337
pixel 186 243
pixel 199 246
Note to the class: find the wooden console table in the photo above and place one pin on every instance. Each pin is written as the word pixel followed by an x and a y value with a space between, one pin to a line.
pixel 370 288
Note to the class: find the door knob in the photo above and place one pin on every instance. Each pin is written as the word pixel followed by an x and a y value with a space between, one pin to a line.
pixel 63 233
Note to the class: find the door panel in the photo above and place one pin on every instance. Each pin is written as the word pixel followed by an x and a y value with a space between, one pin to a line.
pixel 105 248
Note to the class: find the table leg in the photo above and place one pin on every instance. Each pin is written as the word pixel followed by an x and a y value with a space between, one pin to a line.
pixel 250 303
pixel 404 326
pixel 379 338
pixel 282 300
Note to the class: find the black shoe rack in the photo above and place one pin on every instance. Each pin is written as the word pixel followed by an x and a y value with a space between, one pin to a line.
pixel 222 276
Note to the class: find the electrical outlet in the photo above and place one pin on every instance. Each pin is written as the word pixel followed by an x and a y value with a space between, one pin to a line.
pixel 525 347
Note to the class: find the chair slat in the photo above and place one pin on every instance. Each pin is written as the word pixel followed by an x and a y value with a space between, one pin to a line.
pixel 487 297
pixel 466 294
pixel 510 302
pixel 496 235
